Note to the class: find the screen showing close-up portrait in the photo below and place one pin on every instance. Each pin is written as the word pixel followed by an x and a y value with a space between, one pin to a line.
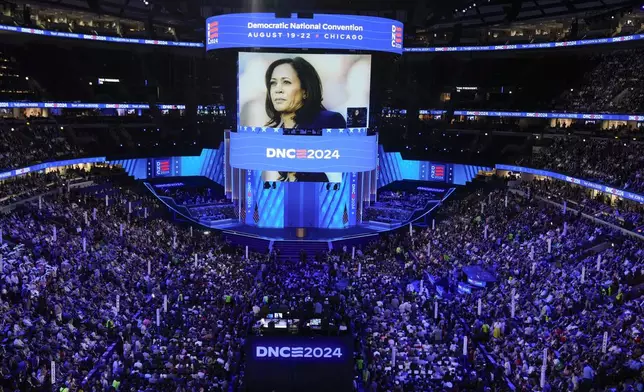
pixel 292 176
pixel 304 91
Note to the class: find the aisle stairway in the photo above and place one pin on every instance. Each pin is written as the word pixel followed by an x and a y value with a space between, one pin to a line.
pixel 291 249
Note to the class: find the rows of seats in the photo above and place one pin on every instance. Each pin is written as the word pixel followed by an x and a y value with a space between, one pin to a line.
pixel 614 162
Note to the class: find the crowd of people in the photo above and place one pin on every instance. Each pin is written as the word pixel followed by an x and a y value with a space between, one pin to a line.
pixel 214 211
pixel 624 213
pixel 556 308
pixel 397 206
pixel 614 85
pixel 193 196
pixel 203 203
pixel 83 281
pixel 17 189
pixel 23 143
pixel 612 162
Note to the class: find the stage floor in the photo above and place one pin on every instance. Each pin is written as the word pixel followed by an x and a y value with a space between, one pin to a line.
pixel 312 234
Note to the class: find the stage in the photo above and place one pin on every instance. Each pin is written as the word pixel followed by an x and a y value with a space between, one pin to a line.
pixel 291 240
pixel 312 234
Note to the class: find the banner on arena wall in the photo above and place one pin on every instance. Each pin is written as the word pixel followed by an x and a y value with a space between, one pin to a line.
pixel 212 34
pixel 86 105
pixel 577 116
pixel 322 31
pixel 552 115
pixel 99 38
pixel 49 165
pixel 541 45
pixel 585 183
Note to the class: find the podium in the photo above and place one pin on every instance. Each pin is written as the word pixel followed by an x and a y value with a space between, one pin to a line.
pixel 300 232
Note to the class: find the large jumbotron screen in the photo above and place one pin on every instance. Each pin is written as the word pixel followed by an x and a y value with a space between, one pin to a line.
pixel 303 113
pixel 305 91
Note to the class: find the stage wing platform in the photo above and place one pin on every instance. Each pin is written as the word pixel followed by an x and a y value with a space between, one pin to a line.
pixel 240 232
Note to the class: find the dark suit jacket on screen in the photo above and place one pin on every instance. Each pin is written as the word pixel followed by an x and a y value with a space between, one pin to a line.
pixel 325 119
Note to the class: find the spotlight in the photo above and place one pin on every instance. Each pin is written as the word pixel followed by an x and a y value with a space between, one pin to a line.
pixel 328 184
pixel 267 185
pixel 274 185
pixel 336 187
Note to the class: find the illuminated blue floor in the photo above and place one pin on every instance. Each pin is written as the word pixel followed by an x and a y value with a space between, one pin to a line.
pixel 312 234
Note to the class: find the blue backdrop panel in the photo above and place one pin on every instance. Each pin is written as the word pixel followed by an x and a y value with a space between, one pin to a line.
pixel 465 173
pixel 137 168
pixel 269 203
pixel 334 205
pixel 210 163
pixel 392 167
pixel 213 164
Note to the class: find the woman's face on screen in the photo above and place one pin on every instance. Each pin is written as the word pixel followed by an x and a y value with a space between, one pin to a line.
pixel 286 89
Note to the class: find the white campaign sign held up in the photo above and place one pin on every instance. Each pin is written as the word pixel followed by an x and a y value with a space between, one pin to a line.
pixel 513 303
pixel 605 343
pixel 583 274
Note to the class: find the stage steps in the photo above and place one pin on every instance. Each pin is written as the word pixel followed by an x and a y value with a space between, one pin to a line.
pixel 259 245
pixel 291 249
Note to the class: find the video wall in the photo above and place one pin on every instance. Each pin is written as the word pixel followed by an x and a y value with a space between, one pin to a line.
pixel 319 31
pixel 303 91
